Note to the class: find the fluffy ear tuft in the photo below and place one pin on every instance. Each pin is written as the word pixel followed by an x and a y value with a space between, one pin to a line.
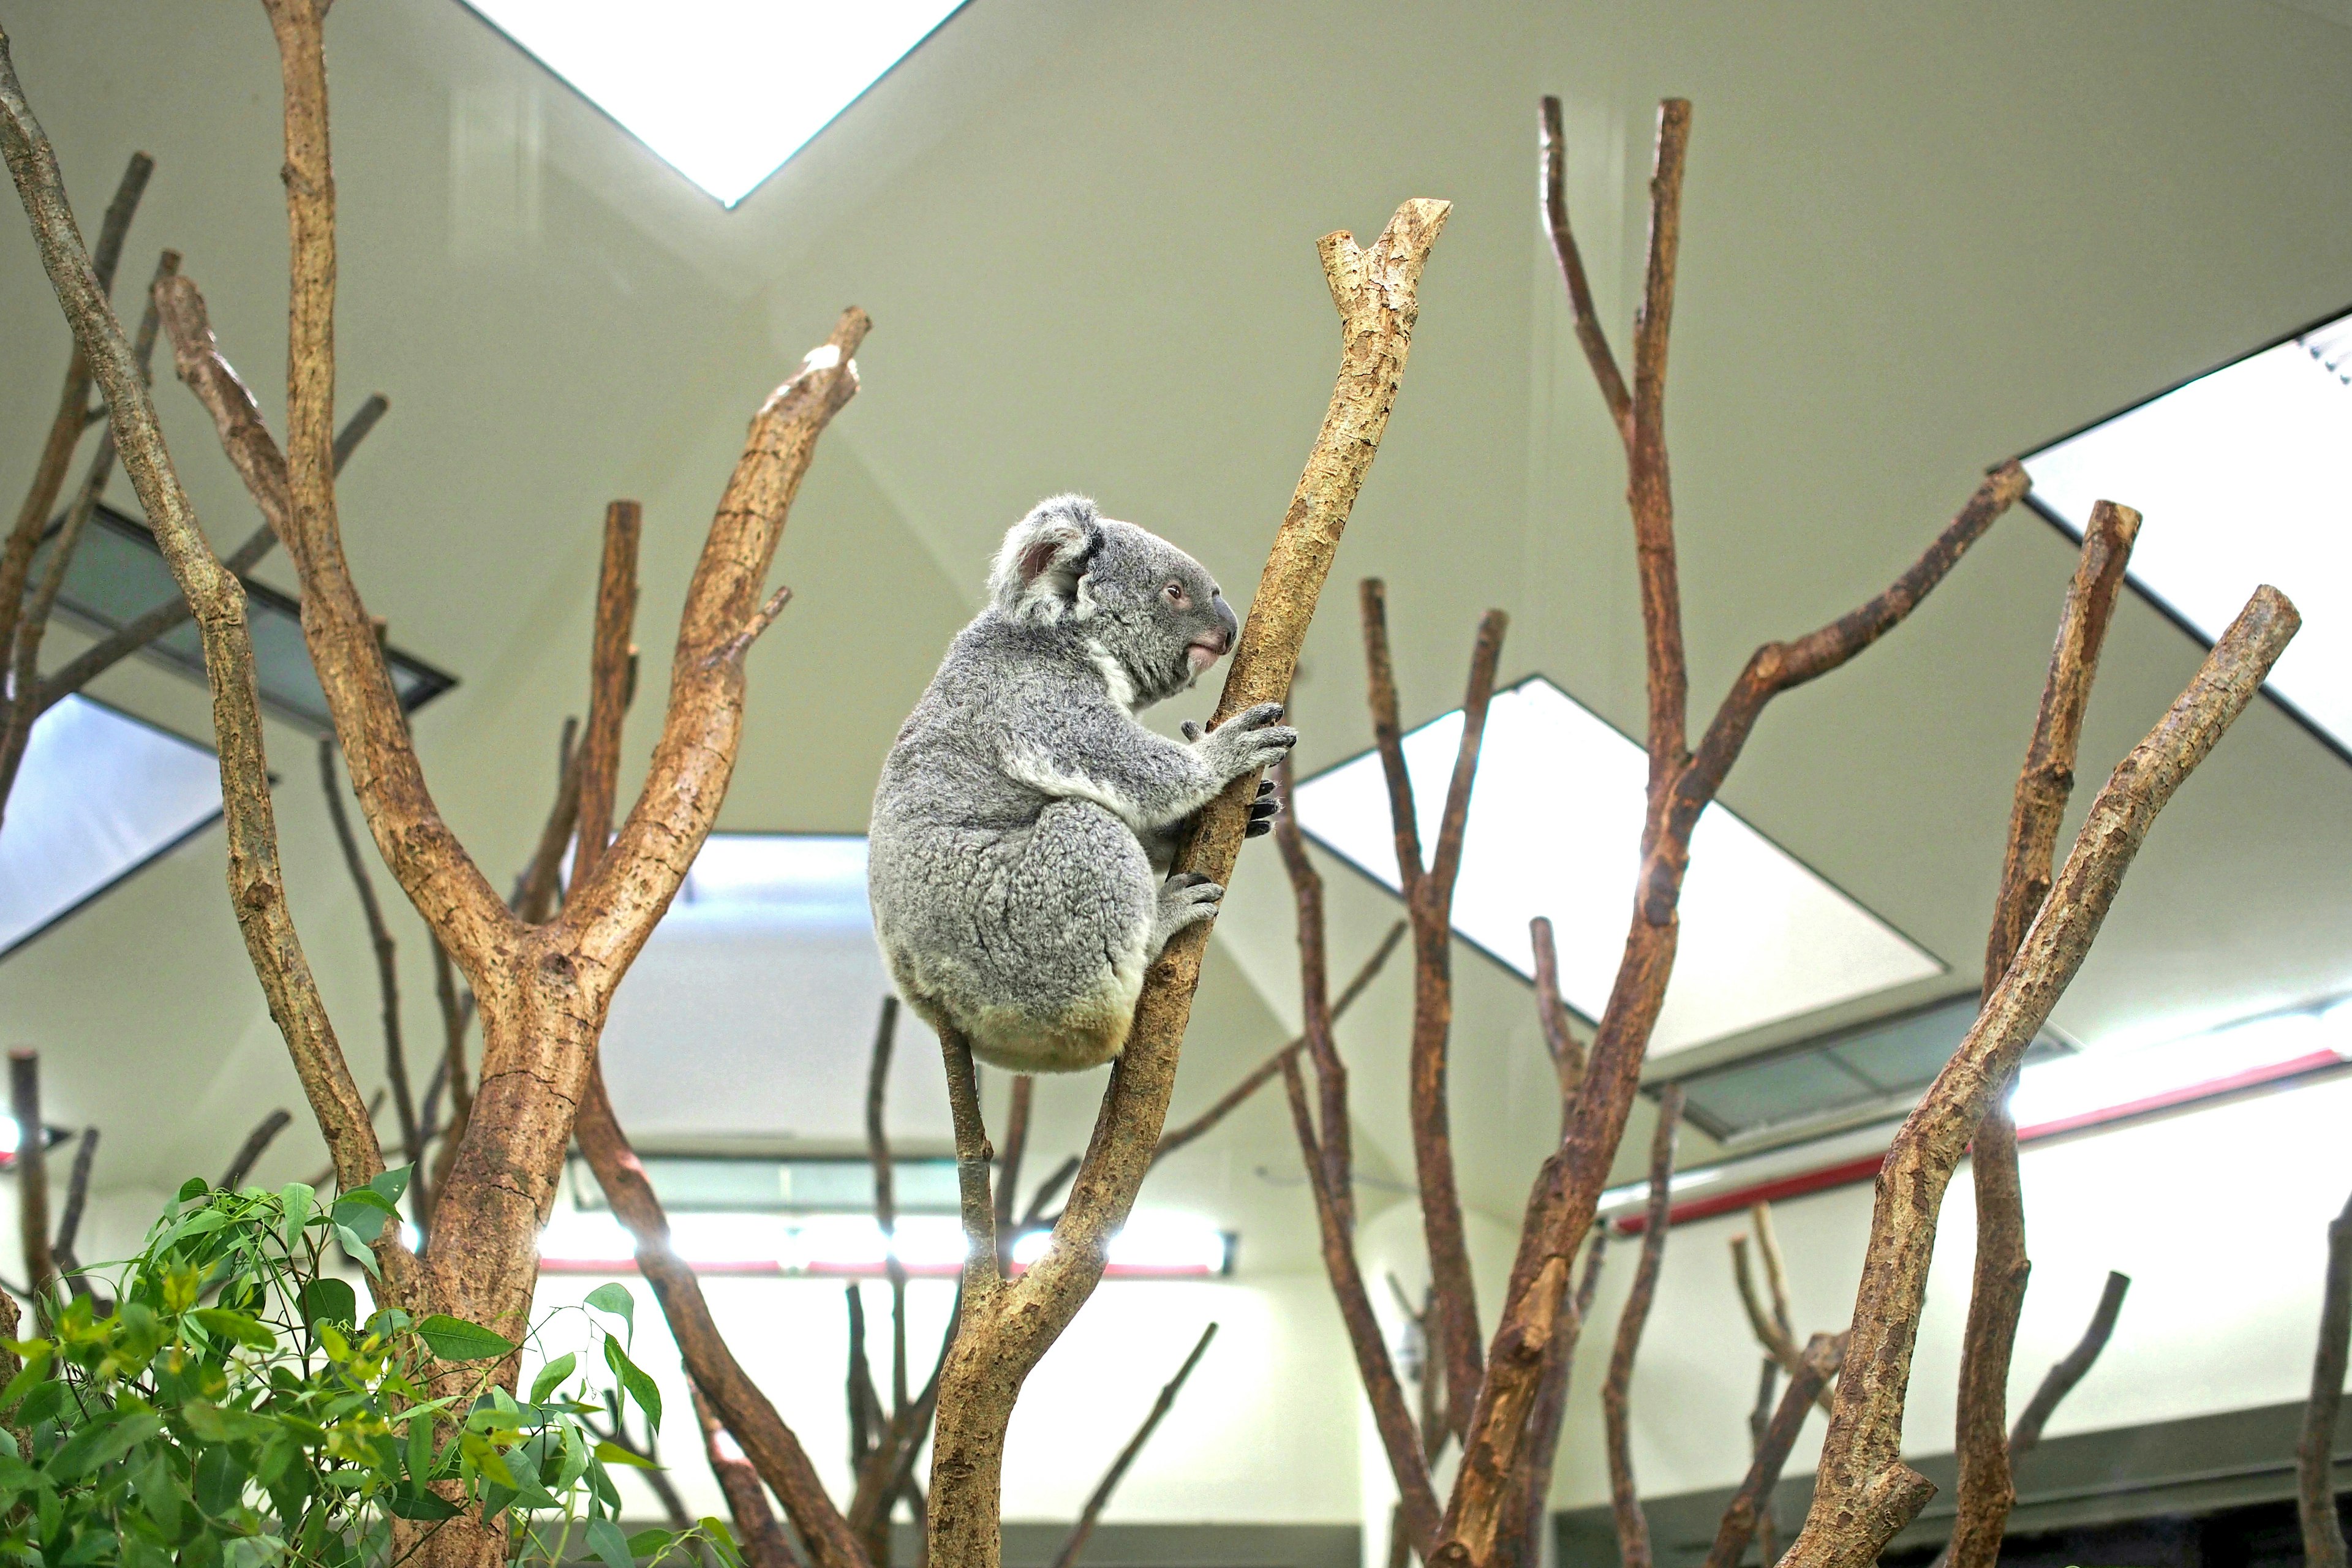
pixel 1043 556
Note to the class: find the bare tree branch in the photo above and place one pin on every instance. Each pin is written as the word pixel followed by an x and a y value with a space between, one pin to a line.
pixel 1266 1072
pixel 137 633
pixel 2323 1533
pixel 65 425
pixel 387 958
pixel 257 1142
pixel 1751 1505
pixel 1866 1492
pixel 1589 330
pixel 1077 1545
pixel 1006 1331
pixel 757 1531
pixel 1986 1491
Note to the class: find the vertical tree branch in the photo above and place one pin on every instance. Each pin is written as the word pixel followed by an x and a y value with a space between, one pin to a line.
pixel 599 743
pixel 1649 489
pixel 2069 1369
pixel 1429 900
pixel 387 959
pixel 1550 1407
pixel 1409 1457
pixel 885 1201
pixel 1008 1171
pixel 1986 1489
pixel 1335 1138
pixel 21 702
pixel 1625 1500
pixel 1561 1043
pixel 1077 1544
pixel 32 1177
pixel 1759 1428
pixel 1374 288
pixel 1866 1493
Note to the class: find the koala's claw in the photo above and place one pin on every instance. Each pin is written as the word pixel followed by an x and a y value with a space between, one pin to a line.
pixel 1189 729
pixel 1262 810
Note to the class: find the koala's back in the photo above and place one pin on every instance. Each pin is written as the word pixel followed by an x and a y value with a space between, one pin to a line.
pixel 1017 918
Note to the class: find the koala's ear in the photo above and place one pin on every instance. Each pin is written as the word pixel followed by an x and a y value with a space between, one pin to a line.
pixel 1037 570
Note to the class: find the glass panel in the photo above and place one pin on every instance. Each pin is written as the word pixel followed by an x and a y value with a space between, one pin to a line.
pixel 100 794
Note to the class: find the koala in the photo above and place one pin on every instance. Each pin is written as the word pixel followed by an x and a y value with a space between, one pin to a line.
pixel 1025 819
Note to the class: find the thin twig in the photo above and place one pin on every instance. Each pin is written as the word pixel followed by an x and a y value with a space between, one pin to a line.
pixel 1625 1501
pixel 1092 1513
pixel 1335 1137
pixel 141 630
pixel 256 1143
pixel 2070 1368
pixel 387 958
pixel 1567 1052
pixel 1750 1510
pixel 1266 1072
pixel 1589 330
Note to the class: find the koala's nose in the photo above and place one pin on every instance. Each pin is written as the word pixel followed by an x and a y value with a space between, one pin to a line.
pixel 1229 628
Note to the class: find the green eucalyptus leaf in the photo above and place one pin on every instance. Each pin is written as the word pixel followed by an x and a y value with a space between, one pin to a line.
pixel 454 1339
pixel 405 1503
pixel 639 1385
pixel 650 1543
pixel 615 1297
pixel 390 1184
pixel 299 1199
pixel 100 1443
pixel 605 1540
pixel 614 1454
pixel 363 1198
pixel 237 1326
pixel 550 1377
pixel 193 1188
pixel 356 1246
pixel 723 1539
pixel 330 1299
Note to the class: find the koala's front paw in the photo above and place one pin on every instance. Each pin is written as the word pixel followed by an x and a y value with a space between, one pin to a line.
pixel 1185 899
pixel 1249 741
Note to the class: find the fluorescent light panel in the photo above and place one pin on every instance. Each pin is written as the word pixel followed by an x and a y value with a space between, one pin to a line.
pixel 2103 1083
pixel 99 795
pixel 1555 828
pixel 724 91
pixel 2243 477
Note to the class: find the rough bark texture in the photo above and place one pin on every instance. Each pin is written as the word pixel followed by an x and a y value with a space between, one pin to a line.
pixel 1007 1327
pixel 1866 1492
pixel 1616 1394
pixel 1986 1491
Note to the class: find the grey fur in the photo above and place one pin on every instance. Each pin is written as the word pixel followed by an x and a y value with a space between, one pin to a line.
pixel 1024 816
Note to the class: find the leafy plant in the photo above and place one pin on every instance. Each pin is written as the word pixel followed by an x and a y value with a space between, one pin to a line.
pixel 233 1411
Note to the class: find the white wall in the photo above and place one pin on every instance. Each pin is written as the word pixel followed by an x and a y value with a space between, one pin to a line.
pixel 2219 1214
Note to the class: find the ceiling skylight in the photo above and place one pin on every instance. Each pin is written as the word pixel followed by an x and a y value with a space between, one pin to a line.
pixel 2243 475
pixel 722 90
pixel 750 1013
pixel 1555 830
pixel 100 794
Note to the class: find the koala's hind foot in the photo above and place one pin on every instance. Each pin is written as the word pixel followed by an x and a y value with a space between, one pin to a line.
pixel 1185 899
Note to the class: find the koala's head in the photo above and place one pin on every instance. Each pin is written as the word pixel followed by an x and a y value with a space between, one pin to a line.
pixel 1132 595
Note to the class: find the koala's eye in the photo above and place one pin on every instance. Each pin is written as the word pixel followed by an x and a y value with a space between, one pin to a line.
pixel 1177 596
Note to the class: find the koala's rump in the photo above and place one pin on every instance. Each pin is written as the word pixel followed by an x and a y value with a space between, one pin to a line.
pixel 1028 940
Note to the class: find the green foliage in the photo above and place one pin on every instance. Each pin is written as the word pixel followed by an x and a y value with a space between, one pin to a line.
pixel 233 1411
